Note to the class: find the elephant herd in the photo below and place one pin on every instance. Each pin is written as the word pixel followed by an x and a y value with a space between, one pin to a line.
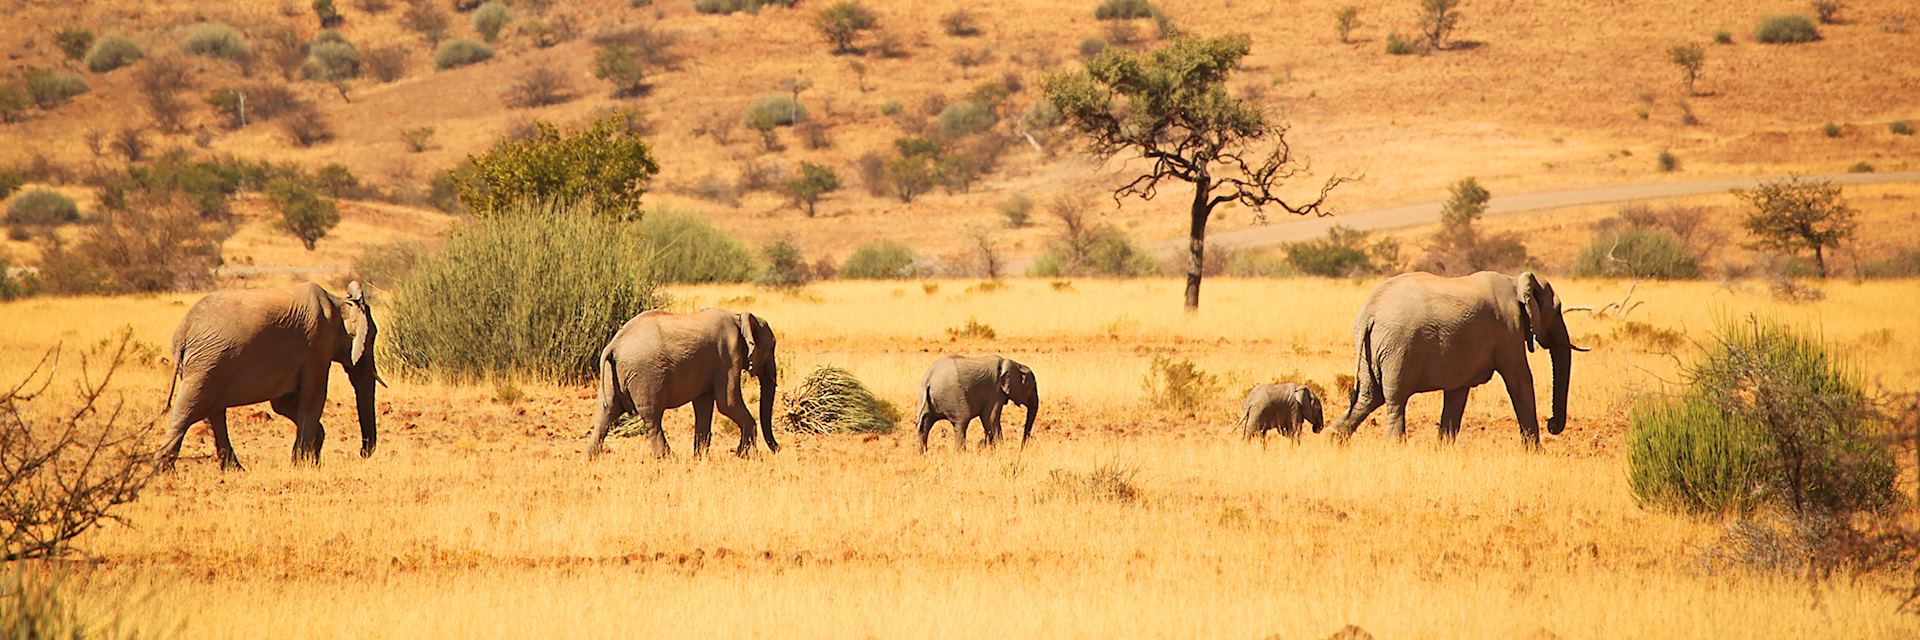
pixel 1416 333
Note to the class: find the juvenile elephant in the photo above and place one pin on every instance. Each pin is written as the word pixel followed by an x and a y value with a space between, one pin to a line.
pixel 1280 407
pixel 660 361
pixel 237 348
pixel 1420 332
pixel 959 388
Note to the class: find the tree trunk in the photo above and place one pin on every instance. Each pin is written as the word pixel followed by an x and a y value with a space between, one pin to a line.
pixel 1197 241
pixel 1820 260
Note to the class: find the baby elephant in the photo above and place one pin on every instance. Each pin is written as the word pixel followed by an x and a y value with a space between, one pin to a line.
pixel 1280 406
pixel 958 389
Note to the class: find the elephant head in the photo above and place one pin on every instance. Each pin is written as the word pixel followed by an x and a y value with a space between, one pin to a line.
pixel 761 361
pixel 1543 320
pixel 1309 407
pixel 1019 385
pixel 357 320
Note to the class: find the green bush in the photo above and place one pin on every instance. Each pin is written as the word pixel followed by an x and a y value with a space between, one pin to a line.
pixel 523 294
pixel 50 88
pixel 1830 130
pixel 1399 46
pixel 1123 9
pixel 830 400
pixel 1900 128
pixel 1786 30
pixel 965 118
pixel 606 165
pixel 73 42
pixel 723 7
pixel 1016 210
pixel 1722 36
pixel 1105 250
pixel 112 52
pixel 460 52
pixel 489 19
pixel 682 247
pixel 216 40
pixel 779 111
pixel 1666 162
pixel 1637 252
pixel 387 266
pixel 1768 419
pixel 1344 253
pixel 785 265
pixel 330 57
pixel 304 214
pixel 883 260
pixel 1905 264
pixel 42 207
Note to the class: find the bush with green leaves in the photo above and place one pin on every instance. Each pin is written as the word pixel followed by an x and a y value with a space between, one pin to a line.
pixel 1399 46
pixel 565 284
pixel 73 42
pixel 1123 9
pixel 615 62
pixel 1786 30
pixel 843 22
pixel 1768 419
pixel 330 57
pixel 784 265
pixel 813 182
pixel 51 88
pixel 1900 128
pixel 965 118
pixel 606 166
pixel 883 260
pixel 1460 247
pixel 1102 250
pixel 10 181
pixel 1344 253
pixel 831 400
pixel 303 213
pixel 460 52
pixel 216 40
pixel 13 103
pixel 1637 252
pixel 489 19
pixel 42 207
pixel 778 111
pixel 682 247
pixel 723 7
pixel 1016 210
pixel 112 52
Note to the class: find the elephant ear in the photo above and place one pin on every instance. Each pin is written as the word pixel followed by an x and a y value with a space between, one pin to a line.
pixel 1006 374
pixel 363 317
pixel 746 321
pixel 1530 291
pixel 1302 397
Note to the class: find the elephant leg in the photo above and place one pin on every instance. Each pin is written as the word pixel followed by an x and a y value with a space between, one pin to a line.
pixel 653 418
pixel 927 420
pixel 1364 404
pixel 1453 406
pixel 990 423
pixel 736 410
pixel 960 432
pixel 1397 419
pixel 1520 391
pixel 310 435
pixel 221 444
pixel 702 425
pixel 181 420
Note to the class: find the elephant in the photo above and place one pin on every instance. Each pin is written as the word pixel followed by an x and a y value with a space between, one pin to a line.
pixel 237 348
pixel 659 361
pixel 959 388
pixel 1280 407
pixel 1419 332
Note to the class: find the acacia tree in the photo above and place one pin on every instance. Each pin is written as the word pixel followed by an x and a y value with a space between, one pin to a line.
pixel 1437 19
pixel 1171 107
pixel 303 213
pixel 1689 57
pixel 1792 214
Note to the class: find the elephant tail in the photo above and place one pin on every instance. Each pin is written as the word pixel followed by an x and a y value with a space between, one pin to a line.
pixel 179 354
pixel 1366 371
pixel 609 377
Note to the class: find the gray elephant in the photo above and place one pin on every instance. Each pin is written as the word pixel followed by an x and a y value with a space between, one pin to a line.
pixel 660 361
pixel 1280 407
pixel 959 388
pixel 1420 332
pixel 237 348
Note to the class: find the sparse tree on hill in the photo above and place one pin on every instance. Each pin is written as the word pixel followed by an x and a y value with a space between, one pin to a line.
pixel 1689 57
pixel 843 23
pixel 1345 20
pixel 303 213
pixel 1795 214
pixel 161 81
pixel 1459 247
pixel 1171 107
pixel 427 19
pixel 1437 20
pixel 328 15
pixel 813 182
pixel 131 143
pixel 1828 10
pixel 616 63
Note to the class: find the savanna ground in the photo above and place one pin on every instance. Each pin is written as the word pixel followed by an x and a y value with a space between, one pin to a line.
pixel 478 516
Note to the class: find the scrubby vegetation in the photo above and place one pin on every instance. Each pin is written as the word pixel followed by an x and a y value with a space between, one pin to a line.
pixel 1637 252
pixel 1459 247
pixel 42 207
pixel 843 22
pixel 1123 9
pixel 51 88
pixel 813 182
pixel 831 400
pixel 1786 30
pixel 683 247
pixel 460 52
pixel 489 19
pixel 1345 252
pixel 605 165
pixel 884 260
pixel 330 57
pixel 1795 215
pixel 1087 247
pixel 303 213
pixel 112 52
pixel 216 40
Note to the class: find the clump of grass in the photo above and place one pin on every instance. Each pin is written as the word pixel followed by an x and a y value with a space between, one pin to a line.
pixel 1108 482
pixel 1860 167
pixel 1830 130
pixel 1179 384
pixel 506 392
pixel 987 286
pixel 1399 46
pixel 1786 30
pixel 972 329
pixel 1900 128
pixel 1722 36
pixel 831 400
pixel 1667 162
pixel 1648 338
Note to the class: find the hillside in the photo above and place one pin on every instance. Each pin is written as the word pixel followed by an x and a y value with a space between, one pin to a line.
pixel 1535 95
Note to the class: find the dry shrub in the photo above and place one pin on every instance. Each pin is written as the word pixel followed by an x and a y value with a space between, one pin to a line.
pixel 973 329
pixel 388 63
pixel 306 127
pixel 1179 384
pixel 831 400
pixel 1108 482
pixel 158 243
pixel 1648 338
pixel 539 86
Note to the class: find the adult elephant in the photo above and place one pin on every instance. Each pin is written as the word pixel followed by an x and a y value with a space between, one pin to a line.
pixel 1420 332
pixel 959 388
pixel 660 361
pixel 237 348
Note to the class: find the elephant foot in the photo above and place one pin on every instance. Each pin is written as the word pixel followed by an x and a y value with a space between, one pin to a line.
pixel 743 452
pixel 231 463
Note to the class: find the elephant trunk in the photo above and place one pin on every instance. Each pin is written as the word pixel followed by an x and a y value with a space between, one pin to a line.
pixel 1033 411
pixel 769 382
pixel 1562 377
pixel 364 398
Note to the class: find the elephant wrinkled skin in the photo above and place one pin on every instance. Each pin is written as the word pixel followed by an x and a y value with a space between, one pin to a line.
pixel 659 361
pixel 237 348
pixel 1420 332
pixel 1281 407
pixel 958 389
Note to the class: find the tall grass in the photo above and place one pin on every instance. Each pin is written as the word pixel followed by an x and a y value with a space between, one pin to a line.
pixel 683 247
pixel 832 400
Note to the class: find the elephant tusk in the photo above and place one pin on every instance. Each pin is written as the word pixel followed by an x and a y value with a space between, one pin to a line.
pixel 1576 347
pixel 380 380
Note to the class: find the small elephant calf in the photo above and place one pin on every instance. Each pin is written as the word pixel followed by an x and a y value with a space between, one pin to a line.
pixel 1280 406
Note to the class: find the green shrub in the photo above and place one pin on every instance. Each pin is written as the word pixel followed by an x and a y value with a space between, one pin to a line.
pixel 387 266
pixel 73 42
pixel 521 294
pixel 329 58
pixel 1860 167
pixel 723 7
pixel 13 103
pixel 813 182
pixel 1722 36
pixel 1905 264
pixel 304 214
pixel 50 88
pixel 1123 9
pixel 10 181
pixel 883 260
pixel 1666 162
pixel 843 22
pixel 1344 253
pixel 830 400
pixel 1399 46
pixel 682 247
pixel 1637 252
pixel 785 265
pixel 42 207
pixel 489 19
pixel 1104 250
pixel 1830 130
pixel 1092 46
pixel 1179 384
pixel 460 52
pixel 112 52
pixel 1768 419
pixel 779 111
pixel 1900 128
pixel 606 165
pixel 965 118
pixel 960 23
pixel 216 40
pixel 1786 30
pixel 1016 210
pixel 890 108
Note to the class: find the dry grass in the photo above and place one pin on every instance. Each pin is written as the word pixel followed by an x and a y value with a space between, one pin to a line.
pixel 480 519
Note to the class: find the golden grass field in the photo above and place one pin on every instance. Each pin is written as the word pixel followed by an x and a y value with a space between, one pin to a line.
pixel 480 518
